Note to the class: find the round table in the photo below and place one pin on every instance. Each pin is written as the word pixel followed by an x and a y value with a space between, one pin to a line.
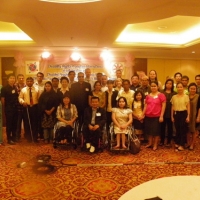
pixel 167 188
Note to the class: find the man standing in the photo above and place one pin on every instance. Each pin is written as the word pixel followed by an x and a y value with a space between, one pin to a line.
pixel 145 88
pixel 28 97
pixel 104 86
pixel 39 84
pixel 135 82
pixel 71 76
pixel 9 100
pixel 185 82
pixel 94 121
pixel 79 96
pixel 127 93
pixel 197 80
pixel 177 78
pixel 55 83
pixel 88 78
pixel 19 85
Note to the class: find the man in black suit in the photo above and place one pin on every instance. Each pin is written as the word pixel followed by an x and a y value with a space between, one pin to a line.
pixel 94 121
pixel 79 93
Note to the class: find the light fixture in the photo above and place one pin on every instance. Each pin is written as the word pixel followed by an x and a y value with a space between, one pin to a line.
pixel 106 55
pixel 45 55
pixel 75 56
pixel 70 1
pixel 193 51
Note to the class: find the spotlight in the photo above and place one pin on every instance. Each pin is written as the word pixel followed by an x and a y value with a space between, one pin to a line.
pixel 106 55
pixel 46 54
pixel 75 56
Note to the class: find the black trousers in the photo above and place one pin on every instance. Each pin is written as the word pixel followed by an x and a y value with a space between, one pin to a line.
pixel 181 127
pixel 80 119
pixel 108 120
pixel 30 114
pixel 92 136
pixel 66 133
pixel 166 123
pixel 19 124
pixel 11 122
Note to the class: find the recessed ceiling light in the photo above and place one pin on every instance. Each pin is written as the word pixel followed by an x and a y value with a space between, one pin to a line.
pixel 70 1
pixel 193 51
pixel 162 27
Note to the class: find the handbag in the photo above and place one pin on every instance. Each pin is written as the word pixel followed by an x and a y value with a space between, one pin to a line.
pixel 134 142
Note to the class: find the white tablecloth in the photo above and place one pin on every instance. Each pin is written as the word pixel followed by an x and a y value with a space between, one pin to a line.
pixel 168 188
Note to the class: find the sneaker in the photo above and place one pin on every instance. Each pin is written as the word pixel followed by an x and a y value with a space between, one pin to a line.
pixel 88 145
pixel 92 149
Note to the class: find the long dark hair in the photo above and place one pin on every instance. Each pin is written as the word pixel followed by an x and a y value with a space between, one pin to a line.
pixel 96 83
pixel 142 100
pixel 126 104
pixel 49 82
pixel 171 80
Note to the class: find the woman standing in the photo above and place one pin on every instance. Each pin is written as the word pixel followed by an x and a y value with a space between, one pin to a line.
pixel 180 115
pixel 122 118
pixel 47 103
pixel 167 122
pixel 138 106
pixel 154 109
pixel 98 93
pixel 153 77
pixel 64 90
pixel 118 85
pixel 66 115
pixel 194 115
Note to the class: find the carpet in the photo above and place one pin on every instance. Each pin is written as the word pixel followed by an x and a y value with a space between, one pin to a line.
pixel 80 175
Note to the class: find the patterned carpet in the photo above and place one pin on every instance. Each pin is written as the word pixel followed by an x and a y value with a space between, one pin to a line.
pixel 81 175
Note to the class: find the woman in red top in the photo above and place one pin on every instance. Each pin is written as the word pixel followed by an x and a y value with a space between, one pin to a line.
pixel 153 111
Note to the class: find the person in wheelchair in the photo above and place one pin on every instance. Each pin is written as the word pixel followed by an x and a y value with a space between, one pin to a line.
pixel 122 119
pixel 66 115
pixel 94 121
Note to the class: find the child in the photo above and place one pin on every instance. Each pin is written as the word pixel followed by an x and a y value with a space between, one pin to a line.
pixel 138 106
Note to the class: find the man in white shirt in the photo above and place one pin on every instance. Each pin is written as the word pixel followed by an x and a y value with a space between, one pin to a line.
pixel 88 78
pixel 28 97
pixel 104 86
pixel 71 76
pixel 39 84
pixel 127 93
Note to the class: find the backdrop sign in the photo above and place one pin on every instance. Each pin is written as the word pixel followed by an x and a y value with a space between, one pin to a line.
pixel 63 70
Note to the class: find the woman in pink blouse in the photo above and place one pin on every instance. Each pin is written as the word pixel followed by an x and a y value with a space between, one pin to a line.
pixel 153 111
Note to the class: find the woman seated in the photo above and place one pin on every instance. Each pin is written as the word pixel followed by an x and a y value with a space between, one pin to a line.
pixel 66 115
pixel 122 118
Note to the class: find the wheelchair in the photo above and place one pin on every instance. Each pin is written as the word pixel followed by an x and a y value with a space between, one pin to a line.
pixel 58 138
pixel 102 143
pixel 112 138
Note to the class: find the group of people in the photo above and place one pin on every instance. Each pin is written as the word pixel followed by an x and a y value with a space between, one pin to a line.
pixel 143 103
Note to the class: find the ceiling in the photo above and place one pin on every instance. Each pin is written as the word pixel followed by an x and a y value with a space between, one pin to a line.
pixel 93 26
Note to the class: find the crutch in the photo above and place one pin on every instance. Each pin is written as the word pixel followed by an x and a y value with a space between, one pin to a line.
pixel 29 124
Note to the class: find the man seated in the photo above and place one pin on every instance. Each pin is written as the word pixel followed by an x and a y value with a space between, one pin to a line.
pixel 94 121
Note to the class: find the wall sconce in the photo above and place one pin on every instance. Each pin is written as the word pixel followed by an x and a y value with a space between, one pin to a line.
pixel 75 56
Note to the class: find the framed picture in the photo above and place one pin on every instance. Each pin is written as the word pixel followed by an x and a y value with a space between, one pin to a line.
pixel 32 67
